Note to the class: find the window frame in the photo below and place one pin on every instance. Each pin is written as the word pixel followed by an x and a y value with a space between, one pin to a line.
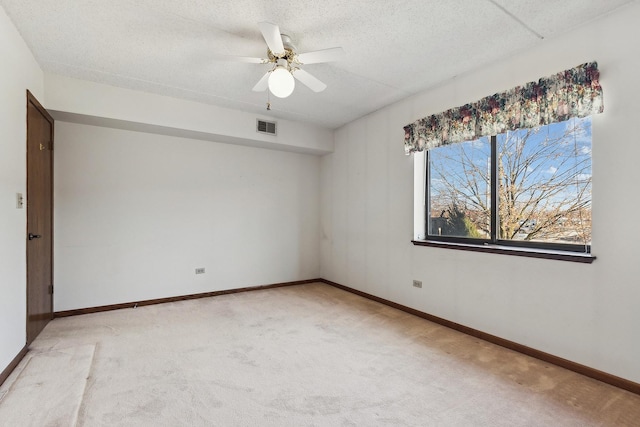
pixel 537 249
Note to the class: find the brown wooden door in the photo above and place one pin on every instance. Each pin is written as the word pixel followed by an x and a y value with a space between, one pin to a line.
pixel 39 218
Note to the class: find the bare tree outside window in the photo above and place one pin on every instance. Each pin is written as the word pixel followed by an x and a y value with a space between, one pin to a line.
pixel 544 182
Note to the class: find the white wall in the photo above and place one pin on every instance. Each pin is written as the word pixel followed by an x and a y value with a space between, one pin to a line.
pixel 87 102
pixel 585 313
pixel 18 72
pixel 136 213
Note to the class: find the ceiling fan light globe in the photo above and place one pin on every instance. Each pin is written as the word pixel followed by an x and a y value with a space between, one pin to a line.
pixel 281 82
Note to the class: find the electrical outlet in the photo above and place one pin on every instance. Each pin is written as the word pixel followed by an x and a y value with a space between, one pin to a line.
pixel 417 284
pixel 19 201
pixel 200 270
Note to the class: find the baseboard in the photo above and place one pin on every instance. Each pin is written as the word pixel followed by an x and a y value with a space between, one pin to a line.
pixel 9 369
pixel 133 304
pixel 541 355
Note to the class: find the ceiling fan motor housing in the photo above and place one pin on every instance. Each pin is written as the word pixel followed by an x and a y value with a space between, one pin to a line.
pixel 289 51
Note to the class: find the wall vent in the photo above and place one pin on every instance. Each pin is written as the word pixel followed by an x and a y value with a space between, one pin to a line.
pixel 263 126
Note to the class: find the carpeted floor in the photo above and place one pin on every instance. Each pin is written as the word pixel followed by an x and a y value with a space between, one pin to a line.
pixel 308 355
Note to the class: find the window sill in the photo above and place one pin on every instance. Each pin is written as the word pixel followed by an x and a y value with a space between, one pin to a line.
pixel 509 250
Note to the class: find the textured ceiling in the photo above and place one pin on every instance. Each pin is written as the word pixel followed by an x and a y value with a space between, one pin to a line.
pixel 394 48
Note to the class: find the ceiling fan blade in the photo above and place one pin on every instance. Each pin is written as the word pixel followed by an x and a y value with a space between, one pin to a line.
pixel 325 55
pixel 308 80
pixel 246 59
pixel 262 84
pixel 271 34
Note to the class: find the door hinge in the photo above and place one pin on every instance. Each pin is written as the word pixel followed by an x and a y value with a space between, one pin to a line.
pixel 46 146
pixel 50 289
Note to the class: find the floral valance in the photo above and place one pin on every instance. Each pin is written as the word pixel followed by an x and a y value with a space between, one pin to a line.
pixel 571 93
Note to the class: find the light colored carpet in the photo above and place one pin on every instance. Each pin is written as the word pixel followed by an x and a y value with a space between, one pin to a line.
pixel 48 389
pixel 308 355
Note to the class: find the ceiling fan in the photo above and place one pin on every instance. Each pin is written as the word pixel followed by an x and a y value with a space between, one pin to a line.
pixel 281 53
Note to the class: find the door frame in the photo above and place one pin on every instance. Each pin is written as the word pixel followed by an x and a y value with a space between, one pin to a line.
pixel 31 99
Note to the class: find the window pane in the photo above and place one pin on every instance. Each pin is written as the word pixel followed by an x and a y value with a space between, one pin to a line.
pixel 459 186
pixel 545 183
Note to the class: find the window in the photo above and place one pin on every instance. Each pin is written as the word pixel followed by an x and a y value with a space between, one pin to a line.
pixel 527 188
pixel 493 180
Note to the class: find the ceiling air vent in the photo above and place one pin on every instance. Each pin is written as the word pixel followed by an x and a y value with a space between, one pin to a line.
pixel 263 126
